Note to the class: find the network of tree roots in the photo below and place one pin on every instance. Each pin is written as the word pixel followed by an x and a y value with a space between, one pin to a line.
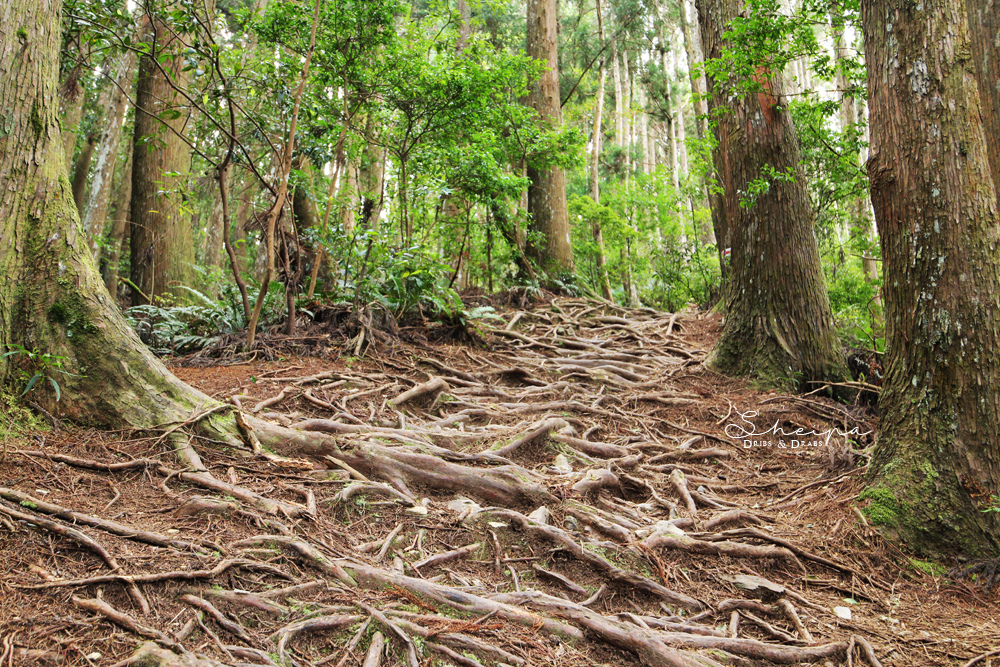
pixel 564 494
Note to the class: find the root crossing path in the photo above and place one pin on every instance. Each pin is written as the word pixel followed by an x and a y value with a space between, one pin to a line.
pixel 578 491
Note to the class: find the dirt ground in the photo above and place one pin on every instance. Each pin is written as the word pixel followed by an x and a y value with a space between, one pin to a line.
pixel 604 416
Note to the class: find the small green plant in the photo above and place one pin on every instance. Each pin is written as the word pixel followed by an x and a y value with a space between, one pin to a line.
pixel 39 366
pixel 994 505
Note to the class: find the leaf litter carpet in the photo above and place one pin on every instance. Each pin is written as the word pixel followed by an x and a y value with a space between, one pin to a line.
pixel 573 490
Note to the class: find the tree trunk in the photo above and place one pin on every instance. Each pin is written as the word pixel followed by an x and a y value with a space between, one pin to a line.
pixel 857 208
pixel 71 99
pixel 547 191
pixel 596 142
pixel 616 77
pixel 778 326
pixel 52 297
pixel 162 243
pixel 115 105
pixel 693 48
pixel 372 185
pixel 984 24
pixel 937 460
pixel 214 235
pixel 116 239
pixel 80 171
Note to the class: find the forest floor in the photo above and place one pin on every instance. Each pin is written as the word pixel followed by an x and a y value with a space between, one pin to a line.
pixel 561 489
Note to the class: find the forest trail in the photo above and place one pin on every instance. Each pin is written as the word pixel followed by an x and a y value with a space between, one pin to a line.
pixel 569 493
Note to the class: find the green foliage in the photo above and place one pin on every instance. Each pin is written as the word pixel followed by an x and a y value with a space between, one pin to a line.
pixel 994 506
pixel 180 328
pixel 684 273
pixel 35 366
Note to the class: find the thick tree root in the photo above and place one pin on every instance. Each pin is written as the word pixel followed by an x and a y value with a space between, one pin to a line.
pixel 577 483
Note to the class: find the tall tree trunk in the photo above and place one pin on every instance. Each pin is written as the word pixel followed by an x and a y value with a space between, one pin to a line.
pixel 116 239
pixel 71 97
pixel 693 47
pixel 778 326
pixel 859 220
pixel 596 142
pixel 695 57
pixel 984 24
pixel 52 298
pixel 372 184
pixel 723 129
pixel 938 451
pixel 161 238
pixel 547 191
pixel 114 104
pixel 214 235
pixel 616 77
pixel 80 171
pixel 627 114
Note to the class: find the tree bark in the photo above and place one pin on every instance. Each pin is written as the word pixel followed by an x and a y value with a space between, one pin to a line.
pixel 116 239
pixel 937 460
pixel 214 235
pixel 547 192
pixel 161 238
pixel 52 298
pixel 596 143
pixel 115 105
pixel 71 99
pixel 778 328
pixel 80 170
pixel 984 26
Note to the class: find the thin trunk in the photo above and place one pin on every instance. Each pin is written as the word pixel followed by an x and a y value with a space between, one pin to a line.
pixel 115 104
pixel 371 180
pixel 161 238
pixel 80 171
pixel 282 189
pixel 778 326
pixel 547 192
pixel 693 48
pixel 119 225
pixel 937 458
pixel 214 237
pixel 597 138
pixel 616 77
pixel 349 198
pixel 464 25
pixel 71 98
pixel 627 115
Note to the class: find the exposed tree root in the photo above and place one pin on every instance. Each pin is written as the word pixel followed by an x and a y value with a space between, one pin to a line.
pixel 387 555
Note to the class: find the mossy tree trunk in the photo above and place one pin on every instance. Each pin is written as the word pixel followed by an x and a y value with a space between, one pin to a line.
pixel 161 238
pixel 51 296
pixel 937 461
pixel 547 208
pixel 779 327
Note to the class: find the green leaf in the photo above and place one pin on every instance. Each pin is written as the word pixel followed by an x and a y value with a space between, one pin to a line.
pixel 32 382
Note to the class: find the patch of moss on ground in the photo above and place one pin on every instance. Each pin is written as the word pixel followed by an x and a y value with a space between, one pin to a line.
pixel 884 508
pixel 16 419
pixel 928 567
